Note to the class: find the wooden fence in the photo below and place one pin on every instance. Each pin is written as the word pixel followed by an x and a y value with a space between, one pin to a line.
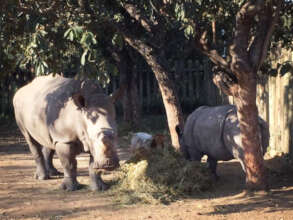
pixel 193 80
pixel 275 104
pixel 195 88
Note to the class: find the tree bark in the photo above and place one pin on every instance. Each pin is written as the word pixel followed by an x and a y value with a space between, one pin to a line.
pixel 247 114
pixel 166 85
pixel 170 99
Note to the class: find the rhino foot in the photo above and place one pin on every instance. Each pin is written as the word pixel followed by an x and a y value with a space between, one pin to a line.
pixel 70 185
pixel 99 186
pixel 55 172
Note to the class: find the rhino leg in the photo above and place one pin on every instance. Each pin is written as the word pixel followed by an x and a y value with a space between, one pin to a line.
pixel 48 156
pixel 69 163
pixel 36 150
pixel 95 176
pixel 193 154
pixel 213 166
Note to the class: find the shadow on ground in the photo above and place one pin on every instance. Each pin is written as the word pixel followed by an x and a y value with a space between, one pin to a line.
pixel 23 197
pixel 231 184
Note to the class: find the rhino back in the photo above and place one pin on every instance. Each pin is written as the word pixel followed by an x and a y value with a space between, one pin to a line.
pixel 38 104
pixel 232 136
pixel 203 131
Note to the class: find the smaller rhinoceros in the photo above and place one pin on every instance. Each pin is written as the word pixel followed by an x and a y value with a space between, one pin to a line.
pixel 215 132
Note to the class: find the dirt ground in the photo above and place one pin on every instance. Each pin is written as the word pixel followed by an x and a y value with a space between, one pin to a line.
pixel 23 197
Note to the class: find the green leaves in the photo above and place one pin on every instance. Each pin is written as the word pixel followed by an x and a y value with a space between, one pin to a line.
pixel 179 11
pixel 73 33
pixel 83 57
pixel 85 39
pixel 117 40
pixel 88 39
pixel 92 62
pixel 36 51
pixel 199 2
pixel 69 34
pixel 118 17
pixel 189 32
pixel 76 39
pixel 41 68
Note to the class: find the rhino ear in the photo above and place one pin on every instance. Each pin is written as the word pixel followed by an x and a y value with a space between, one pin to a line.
pixel 118 93
pixel 78 100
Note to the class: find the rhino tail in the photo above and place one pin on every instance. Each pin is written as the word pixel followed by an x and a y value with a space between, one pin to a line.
pixel 185 152
pixel 183 148
pixel 178 131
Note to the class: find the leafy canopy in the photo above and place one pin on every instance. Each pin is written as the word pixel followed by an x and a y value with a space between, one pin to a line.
pixel 73 36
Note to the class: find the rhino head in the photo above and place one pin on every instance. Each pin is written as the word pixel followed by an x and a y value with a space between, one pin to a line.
pixel 99 129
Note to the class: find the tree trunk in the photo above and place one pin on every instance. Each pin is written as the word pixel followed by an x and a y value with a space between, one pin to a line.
pixel 128 77
pixel 130 102
pixel 250 134
pixel 170 99
pixel 166 85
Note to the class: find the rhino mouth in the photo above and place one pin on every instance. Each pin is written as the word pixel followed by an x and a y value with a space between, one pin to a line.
pixel 109 165
pixel 110 168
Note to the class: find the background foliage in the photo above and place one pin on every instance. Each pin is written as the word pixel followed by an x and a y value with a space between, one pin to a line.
pixel 77 37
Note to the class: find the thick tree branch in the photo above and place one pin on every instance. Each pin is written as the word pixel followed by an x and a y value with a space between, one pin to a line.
pixel 266 25
pixel 155 27
pixel 225 82
pixel 134 13
pixel 202 44
pixel 223 77
pixel 214 31
pixel 238 50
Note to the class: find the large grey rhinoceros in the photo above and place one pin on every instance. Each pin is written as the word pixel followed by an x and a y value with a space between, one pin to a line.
pixel 215 132
pixel 67 116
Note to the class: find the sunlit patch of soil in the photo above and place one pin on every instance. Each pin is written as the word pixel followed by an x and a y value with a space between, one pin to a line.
pixel 23 197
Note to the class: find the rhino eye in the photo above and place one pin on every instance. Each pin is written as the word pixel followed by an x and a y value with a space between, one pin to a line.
pixel 93 116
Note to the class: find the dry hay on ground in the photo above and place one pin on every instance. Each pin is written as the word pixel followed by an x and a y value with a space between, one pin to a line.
pixel 160 176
